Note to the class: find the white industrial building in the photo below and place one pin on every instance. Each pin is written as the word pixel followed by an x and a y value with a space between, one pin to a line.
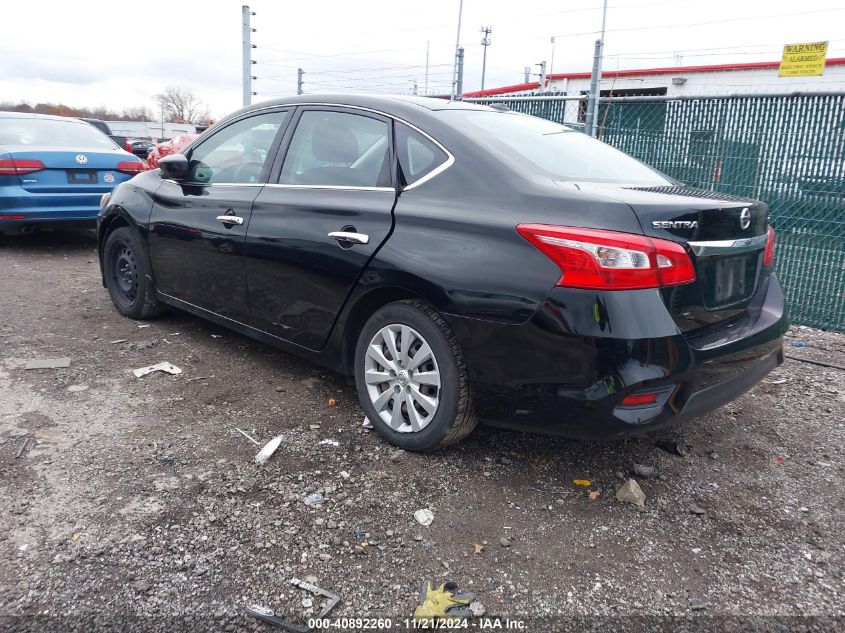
pixel 150 129
pixel 699 81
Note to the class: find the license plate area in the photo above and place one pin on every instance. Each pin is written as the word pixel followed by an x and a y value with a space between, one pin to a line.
pixel 728 280
pixel 82 176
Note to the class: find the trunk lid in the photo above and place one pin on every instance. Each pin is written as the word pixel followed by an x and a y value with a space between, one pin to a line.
pixel 725 236
pixel 68 170
pixel 684 214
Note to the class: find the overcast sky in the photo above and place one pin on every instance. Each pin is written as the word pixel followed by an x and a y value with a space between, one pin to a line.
pixel 120 54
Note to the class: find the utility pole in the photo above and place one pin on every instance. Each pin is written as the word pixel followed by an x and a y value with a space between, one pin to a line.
pixel 552 62
pixel 299 82
pixel 542 66
pixel 527 74
pixel 460 82
pixel 427 44
pixel 457 49
pixel 485 42
pixel 591 123
pixel 592 98
pixel 246 33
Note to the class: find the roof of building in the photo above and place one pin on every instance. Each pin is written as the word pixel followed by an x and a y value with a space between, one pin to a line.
pixel 637 72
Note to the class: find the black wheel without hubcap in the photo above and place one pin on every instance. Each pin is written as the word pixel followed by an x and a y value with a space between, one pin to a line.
pixel 126 274
pixel 125 270
pixel 411 378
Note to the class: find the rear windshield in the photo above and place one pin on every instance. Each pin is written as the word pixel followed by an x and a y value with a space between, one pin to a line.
pixel 553 149
pixel 52 133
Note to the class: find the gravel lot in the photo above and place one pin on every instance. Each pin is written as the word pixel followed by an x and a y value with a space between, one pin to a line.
pixel 136 501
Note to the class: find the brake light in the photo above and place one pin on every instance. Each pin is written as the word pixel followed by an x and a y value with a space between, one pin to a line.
pixel 610 260
pixel 130 167
pixel 639 399
pixel 127 146
pixel 16 216
pixel 769 253
pixel 19 166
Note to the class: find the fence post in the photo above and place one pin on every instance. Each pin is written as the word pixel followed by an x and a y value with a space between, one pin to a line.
pixel 459 91
pixel 592 102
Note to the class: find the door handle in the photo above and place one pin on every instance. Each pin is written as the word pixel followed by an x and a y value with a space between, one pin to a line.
pixel 230 220
pixel 352 238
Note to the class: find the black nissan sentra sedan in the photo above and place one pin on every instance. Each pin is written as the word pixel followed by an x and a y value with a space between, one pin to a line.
pixel 461 262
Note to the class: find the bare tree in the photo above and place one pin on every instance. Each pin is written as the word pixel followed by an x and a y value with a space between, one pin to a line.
pixel 137 113
pixel 180 105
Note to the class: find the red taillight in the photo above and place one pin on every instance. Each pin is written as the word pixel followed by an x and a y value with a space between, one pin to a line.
pixel 127 146
pixel 610 260
pixel 130 167
pixel 639 399
pixel 19 166
pixel 12 217
pixel 769 253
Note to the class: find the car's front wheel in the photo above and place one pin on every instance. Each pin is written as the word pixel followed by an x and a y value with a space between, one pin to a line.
pixel 411 378
pixel 126 273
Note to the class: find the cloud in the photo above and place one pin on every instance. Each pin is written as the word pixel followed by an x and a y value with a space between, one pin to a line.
pixel 47 67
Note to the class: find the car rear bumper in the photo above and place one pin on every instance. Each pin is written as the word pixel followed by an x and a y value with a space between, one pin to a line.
pixel 19 207
pixel 567 371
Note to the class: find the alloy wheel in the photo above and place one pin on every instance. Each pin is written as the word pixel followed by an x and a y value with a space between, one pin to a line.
pixel 402 378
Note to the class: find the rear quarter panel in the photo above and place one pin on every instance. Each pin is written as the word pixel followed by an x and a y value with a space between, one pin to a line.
pixel 455 241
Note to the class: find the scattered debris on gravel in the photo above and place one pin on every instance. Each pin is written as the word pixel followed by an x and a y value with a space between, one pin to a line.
pixel 630 492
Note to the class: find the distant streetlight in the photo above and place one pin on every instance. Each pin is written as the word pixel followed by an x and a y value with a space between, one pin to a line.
pixel 485 42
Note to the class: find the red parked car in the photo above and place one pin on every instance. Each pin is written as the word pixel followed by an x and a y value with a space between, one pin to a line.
pixel 173 146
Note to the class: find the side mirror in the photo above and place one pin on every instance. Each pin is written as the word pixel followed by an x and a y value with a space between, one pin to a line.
pixel 174 167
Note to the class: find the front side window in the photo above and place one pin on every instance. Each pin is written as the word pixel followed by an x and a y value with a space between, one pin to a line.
pixel 418 156
pixel 238 152
pixel 338 149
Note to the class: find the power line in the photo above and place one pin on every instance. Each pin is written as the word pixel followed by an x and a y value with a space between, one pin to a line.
pixel 534 16
pixel 384 68
pixel 683 53
pixel 712 48
pixel 310 56
pixel 731 20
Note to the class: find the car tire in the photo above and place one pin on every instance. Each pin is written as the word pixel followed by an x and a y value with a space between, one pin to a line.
pixel 126 273
pixel 438 415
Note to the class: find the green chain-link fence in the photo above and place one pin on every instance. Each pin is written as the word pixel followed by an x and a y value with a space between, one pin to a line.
pixel 787 150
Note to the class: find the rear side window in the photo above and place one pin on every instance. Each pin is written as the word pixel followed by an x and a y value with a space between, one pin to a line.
pixel 72 134
pixel 418 155
pixel 552 149
pixel 338 149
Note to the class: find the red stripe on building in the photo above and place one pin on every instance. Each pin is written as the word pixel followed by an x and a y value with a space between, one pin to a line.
pixel 639 72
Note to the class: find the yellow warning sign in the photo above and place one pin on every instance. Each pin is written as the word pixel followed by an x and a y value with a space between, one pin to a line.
pixel 803 60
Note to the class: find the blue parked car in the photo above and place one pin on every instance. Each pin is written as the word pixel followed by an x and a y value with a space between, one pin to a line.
pixel 55 169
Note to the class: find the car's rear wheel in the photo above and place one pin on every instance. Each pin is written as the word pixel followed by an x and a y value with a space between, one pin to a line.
pixel 126 272
pixel 411 378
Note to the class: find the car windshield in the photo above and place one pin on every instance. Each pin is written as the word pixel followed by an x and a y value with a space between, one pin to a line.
pixel 52 133
pixel 551 148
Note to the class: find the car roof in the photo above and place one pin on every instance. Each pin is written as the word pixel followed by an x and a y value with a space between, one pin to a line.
pixel 408 107
pixel 379 102
pixel 33 115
